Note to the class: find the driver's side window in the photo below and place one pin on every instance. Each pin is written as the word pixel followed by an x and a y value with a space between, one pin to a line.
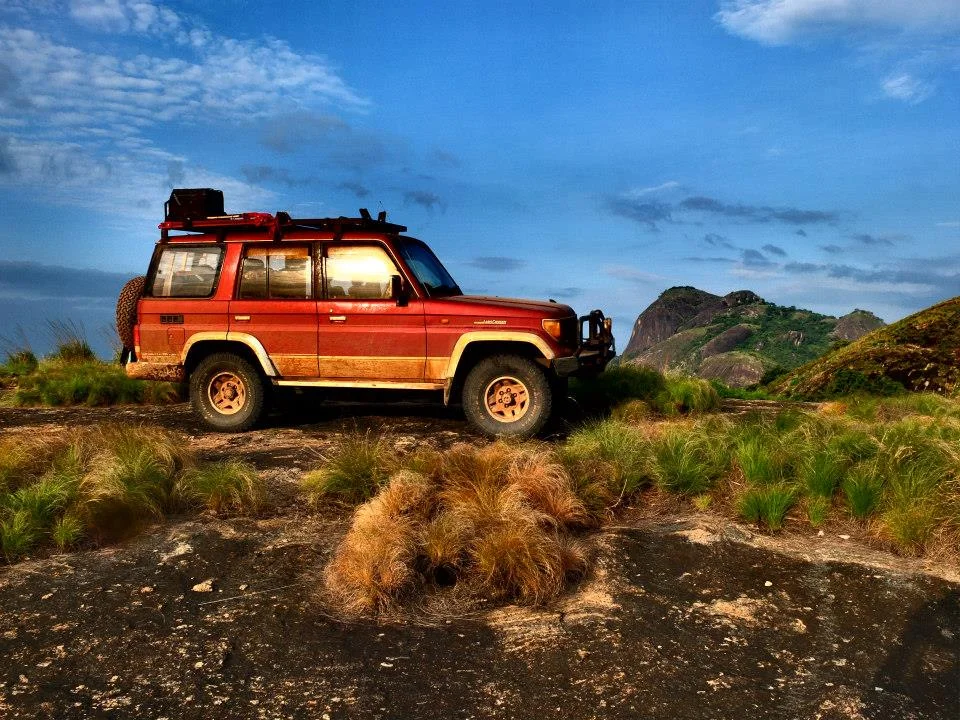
pixel 358 272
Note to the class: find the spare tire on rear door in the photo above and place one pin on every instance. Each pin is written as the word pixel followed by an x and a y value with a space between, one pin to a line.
pixel 127 310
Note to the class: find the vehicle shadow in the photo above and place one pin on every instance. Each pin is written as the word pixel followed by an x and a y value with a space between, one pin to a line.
pixel 925 665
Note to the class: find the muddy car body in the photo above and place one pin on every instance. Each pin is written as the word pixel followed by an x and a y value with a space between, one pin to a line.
pixel 236 304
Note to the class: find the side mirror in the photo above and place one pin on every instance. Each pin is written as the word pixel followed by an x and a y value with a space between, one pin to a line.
pixel 399 290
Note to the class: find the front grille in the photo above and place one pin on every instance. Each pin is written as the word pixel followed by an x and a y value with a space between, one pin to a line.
pixel 569 332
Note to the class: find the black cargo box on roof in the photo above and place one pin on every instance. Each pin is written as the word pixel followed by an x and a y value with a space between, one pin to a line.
pixel 187 204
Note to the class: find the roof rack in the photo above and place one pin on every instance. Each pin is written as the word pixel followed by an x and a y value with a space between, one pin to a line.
pixel 249 221
pixel 201 210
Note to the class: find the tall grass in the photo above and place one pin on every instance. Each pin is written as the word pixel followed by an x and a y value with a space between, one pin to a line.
pixel 608 460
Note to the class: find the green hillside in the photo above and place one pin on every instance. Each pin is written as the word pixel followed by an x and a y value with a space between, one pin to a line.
pixel 920 352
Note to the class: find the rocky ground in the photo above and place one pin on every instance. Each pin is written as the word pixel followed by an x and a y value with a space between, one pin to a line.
pixel 683 616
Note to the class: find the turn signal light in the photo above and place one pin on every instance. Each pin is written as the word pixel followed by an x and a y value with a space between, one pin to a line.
pixel 552 328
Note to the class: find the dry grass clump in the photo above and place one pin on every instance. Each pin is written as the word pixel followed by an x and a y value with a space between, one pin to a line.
pixel 495 519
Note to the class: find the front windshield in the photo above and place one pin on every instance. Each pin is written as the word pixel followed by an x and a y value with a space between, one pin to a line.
pixel 431 274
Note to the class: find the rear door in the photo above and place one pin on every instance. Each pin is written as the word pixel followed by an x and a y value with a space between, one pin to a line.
pixel 179 300
pixel 275 303
pixel 364 335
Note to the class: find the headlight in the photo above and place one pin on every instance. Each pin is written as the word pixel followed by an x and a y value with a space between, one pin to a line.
pixel 553 328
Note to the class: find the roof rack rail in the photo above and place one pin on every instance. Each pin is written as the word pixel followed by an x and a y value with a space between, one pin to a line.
pixel 250 221
pixel 200 210
pixel 339 225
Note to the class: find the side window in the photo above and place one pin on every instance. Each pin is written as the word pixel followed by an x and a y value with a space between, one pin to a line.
pixel 187 272
pixel 360 272
pixel 276 273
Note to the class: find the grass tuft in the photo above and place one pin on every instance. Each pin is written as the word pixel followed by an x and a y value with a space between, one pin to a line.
pixel 224 487
pixel 767 505
pixel 354 471
pixel 863 488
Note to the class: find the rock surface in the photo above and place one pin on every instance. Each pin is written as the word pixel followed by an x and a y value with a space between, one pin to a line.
pixel 735 338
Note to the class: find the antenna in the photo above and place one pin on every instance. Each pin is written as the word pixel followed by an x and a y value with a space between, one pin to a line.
pixel 382 216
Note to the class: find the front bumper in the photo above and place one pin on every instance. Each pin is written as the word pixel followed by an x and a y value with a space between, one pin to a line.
pixel 595 349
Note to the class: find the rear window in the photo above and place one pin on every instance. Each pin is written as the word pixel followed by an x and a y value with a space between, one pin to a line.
pixel 187 272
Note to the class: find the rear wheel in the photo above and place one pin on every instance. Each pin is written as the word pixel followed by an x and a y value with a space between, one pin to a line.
pixel 227 392
pixel 507 396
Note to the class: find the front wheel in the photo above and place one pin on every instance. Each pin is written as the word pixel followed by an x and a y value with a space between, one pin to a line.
pixel 507 396
pixel 227 392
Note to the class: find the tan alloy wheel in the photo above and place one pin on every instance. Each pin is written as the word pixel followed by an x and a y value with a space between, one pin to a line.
pixel 507 399
pixel 227 393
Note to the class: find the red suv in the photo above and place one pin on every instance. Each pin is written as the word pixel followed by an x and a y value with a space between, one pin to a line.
pixel 238 304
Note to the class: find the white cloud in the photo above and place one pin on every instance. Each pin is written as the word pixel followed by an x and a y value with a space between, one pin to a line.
pixel 907 88
pixel 777 22
pixel 641 191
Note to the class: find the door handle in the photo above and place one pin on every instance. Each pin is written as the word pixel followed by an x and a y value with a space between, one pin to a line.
pixel 338 318
pixel 242 318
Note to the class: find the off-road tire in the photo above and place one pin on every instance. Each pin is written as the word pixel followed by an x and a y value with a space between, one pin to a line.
pixel 235 373
pixel 127 309
pixel 501 375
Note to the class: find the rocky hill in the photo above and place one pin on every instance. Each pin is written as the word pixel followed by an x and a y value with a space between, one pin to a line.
pixel 920 352
pixel 735 338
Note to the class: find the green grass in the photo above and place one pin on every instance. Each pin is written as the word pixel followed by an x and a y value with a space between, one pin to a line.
pixel 683 395
pixel 18 362
pixel 863 488
pixel 353 472
pixel 767 505
pixel 223 487
pixel 88 382
pixel 104 482
pixel 689 461
pixel 608 457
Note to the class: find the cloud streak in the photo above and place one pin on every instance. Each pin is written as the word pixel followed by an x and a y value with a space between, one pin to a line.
pixel 497 263
pixel 652 214
pixel 779 22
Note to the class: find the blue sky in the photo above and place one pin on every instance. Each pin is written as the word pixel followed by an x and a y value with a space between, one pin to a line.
pixel 808 150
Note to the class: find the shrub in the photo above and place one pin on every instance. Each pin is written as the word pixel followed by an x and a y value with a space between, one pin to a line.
pixel 818 508
pixel 760 456
pixel 17 534
pixel 67 531
pixel 353 472
pixel 231 486
pixel 597 395
pixel 686 395
pixel 130 478
pixel 851 382
pixel 104 481
pixel 632 411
